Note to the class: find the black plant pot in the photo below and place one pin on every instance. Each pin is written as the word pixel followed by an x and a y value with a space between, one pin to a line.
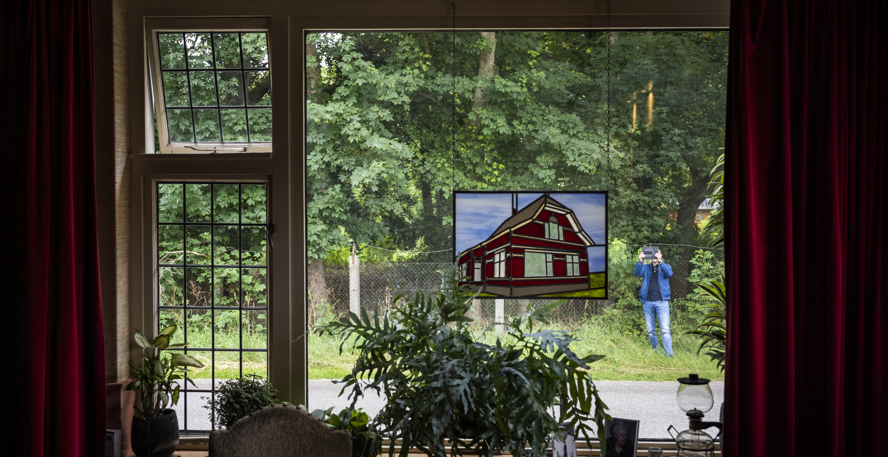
pixel 156 437
pixel 362 447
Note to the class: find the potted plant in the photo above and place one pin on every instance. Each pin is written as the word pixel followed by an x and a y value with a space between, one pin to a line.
pixel 440 384
pixel 155 427
pixel 238 398
pixel 357 422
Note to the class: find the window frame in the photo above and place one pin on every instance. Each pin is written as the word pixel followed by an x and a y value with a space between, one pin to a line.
pixel 156 26
pixel 285 170
pixel 573 264
pixel 554 230
pixel 212 308
pixel 548 263
pixel 499 264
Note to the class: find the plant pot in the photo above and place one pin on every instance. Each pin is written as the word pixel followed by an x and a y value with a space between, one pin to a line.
pixel 362 447
pixel 157 436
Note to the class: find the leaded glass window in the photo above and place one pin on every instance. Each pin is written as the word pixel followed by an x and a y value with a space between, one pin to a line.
pixel 212 282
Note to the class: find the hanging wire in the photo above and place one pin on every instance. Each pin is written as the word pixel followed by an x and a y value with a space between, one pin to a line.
pixel 685 245
pixel 453 114
pixel 400 251
pixel 453 121
pixel 607 125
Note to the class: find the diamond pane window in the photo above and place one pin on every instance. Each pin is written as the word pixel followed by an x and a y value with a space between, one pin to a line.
pixel 212 91
pixel 212 282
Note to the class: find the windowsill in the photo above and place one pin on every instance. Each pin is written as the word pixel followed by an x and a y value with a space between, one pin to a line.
pixel 214 155
pixel 198 446
pixel 203 453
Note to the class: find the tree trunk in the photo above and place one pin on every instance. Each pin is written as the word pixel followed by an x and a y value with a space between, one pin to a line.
pixel 317 278
pixel 317 281
pixel 486 66
pixel 476 306
pixel 312 71
pixel 523 303
pixel 428 207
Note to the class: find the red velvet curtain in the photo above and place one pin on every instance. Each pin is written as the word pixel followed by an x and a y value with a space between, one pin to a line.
pixel 54 370
pixel 808 322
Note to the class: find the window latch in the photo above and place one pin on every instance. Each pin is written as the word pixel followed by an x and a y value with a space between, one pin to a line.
pixel 271 229
pixel 215 149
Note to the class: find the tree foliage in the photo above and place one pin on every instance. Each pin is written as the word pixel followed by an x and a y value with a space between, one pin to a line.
pixel 397 121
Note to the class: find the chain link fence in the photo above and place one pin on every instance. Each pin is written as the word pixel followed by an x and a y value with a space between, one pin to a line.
pixel 381 283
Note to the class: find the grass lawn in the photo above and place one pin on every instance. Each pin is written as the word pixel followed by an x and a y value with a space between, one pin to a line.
pixel 628 358
pixel 227 364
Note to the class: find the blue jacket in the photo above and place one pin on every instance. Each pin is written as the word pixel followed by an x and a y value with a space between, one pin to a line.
pixel 645 271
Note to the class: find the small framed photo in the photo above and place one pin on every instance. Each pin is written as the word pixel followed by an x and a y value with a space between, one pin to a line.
pixel 622 437
pixel 568 447
pixel 112 443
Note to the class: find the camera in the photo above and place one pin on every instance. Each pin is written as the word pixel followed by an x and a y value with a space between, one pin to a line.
pixel 650 252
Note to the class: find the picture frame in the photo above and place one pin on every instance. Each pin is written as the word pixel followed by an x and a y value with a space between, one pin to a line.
pixel 532 244
pixel 567 447
pixel 112 442
pixel 622 437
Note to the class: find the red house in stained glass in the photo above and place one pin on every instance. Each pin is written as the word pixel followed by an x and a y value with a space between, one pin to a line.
pixel 539 250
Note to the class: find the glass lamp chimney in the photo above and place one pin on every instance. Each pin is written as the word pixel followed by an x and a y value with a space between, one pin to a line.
pixel 694 394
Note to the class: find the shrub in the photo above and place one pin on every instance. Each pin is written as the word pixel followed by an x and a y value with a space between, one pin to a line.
pixel 238 398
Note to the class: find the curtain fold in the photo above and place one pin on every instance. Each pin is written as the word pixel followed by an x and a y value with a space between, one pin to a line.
pixel 50 273
pixel 805 226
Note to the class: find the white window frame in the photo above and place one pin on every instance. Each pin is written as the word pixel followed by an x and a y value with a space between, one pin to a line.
pixel 155 26
pixel 573 264
pixel 155 270
pixel 255 165
pixel 548 263
pixel 499 264
pixel 554 231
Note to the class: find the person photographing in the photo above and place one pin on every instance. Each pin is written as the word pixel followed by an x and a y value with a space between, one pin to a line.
pixel 655 295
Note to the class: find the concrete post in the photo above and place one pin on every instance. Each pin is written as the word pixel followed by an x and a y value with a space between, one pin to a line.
pixel 354 285
pixel 500 315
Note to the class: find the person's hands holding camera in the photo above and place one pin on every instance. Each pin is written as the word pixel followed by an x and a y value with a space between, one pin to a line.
pixel 659 256
pixel 641 256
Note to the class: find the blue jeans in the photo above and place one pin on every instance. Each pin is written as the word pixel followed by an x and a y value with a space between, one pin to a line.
pixel 658 310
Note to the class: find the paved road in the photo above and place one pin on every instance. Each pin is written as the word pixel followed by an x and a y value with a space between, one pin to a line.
pixel 653 403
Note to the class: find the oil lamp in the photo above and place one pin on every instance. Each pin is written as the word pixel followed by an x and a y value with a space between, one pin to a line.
pixel 695 398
